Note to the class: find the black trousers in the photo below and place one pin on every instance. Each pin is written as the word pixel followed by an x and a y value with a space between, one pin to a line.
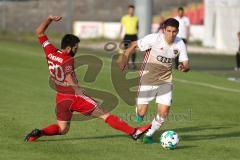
pixel 127 41
pixel 177 58
pixel 238 59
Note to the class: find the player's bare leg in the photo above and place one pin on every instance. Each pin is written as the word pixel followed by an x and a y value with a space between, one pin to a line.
pixel 61 128
pixel 141 111
pixel 158 121
pixel 117 123
pixel 64 127
pixel 133 59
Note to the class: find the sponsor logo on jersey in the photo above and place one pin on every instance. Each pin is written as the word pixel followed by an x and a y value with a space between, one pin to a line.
pixel 164 59
pixel 55 58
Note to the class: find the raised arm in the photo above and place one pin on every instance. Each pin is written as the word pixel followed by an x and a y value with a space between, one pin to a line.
pixel 40 30
pixel 129 51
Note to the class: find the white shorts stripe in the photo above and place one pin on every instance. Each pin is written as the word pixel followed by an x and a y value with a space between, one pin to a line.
pixel 89 100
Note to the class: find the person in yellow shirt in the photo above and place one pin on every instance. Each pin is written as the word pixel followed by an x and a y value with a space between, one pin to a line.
pixel 129 23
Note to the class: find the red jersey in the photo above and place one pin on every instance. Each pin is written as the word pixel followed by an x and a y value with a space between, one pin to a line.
pixel 60 64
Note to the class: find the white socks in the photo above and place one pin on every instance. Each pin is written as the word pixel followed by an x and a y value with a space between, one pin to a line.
pixel 156 124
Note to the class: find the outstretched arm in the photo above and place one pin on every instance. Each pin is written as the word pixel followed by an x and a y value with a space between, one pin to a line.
pixel 40 30
pixel 184 66
pixel 126 54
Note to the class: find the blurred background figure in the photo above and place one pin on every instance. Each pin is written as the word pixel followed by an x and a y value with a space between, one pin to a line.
pixel 129 23
pixel 184 29
pixel 161 24
pixel 237 68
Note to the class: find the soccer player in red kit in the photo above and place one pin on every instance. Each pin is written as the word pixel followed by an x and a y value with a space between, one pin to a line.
pixel 70 97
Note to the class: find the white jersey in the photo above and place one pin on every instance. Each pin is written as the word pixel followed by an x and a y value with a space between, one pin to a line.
pixel 184 23
pixel 159 58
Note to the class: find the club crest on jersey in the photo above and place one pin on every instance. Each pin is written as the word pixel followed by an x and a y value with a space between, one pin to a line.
pixel 175 51
pixel 68 68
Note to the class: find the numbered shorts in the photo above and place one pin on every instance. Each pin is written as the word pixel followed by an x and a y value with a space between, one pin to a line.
pixel 162 93
pixel 66 104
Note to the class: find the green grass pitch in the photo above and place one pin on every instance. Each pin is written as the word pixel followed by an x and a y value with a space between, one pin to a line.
pixel 205 112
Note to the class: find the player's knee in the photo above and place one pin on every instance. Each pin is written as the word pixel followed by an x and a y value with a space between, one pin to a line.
pixel 163 111
pixel 64 130
pixel 141 110
pixel 141 113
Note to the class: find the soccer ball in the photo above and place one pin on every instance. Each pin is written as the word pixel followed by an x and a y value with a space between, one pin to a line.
pixel 169 140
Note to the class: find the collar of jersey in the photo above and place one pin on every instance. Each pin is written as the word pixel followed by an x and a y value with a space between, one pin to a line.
pixel 130 16
pixel 164 41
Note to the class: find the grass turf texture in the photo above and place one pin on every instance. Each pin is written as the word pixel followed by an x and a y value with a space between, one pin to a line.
pixel 206 119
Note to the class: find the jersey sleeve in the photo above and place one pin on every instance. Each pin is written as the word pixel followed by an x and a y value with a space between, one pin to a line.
pixel 137 19
pixel 47 46
pixel 147 42
pixel 183 52
pixel 187 21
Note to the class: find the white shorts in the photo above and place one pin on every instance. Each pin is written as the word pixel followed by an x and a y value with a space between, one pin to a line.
pixel 162 93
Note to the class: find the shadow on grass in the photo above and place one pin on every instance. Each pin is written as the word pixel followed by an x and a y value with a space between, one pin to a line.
pixel 181 131
pixel 84 138
pixel 109 137
pixel 210 136
pixel 203 127
pixel 185 147
pixel 212 130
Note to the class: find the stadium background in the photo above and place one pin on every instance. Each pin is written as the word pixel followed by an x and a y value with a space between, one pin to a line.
pixel 15 12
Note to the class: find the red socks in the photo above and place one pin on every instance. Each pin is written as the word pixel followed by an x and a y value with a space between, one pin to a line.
pixel 111 120
pixel 119 124
pixel 48 131
pixel 51 130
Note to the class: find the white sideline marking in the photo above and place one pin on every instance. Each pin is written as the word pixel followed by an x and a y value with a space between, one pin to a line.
pixel 208 85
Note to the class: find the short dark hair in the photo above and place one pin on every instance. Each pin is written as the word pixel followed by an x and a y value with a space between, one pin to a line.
pixel 131 6
pixel 180 9
pixel 171 22
pixel 69 40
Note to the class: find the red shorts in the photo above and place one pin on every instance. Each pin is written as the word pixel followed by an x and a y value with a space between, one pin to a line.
pixel 67 103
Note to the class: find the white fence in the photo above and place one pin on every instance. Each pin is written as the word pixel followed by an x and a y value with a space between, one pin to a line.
pixel 111 30
pixel 222 24
pixel 87 30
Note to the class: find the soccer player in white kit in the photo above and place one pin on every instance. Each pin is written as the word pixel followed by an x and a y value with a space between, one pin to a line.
pixel 184 29
pixel 156 72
